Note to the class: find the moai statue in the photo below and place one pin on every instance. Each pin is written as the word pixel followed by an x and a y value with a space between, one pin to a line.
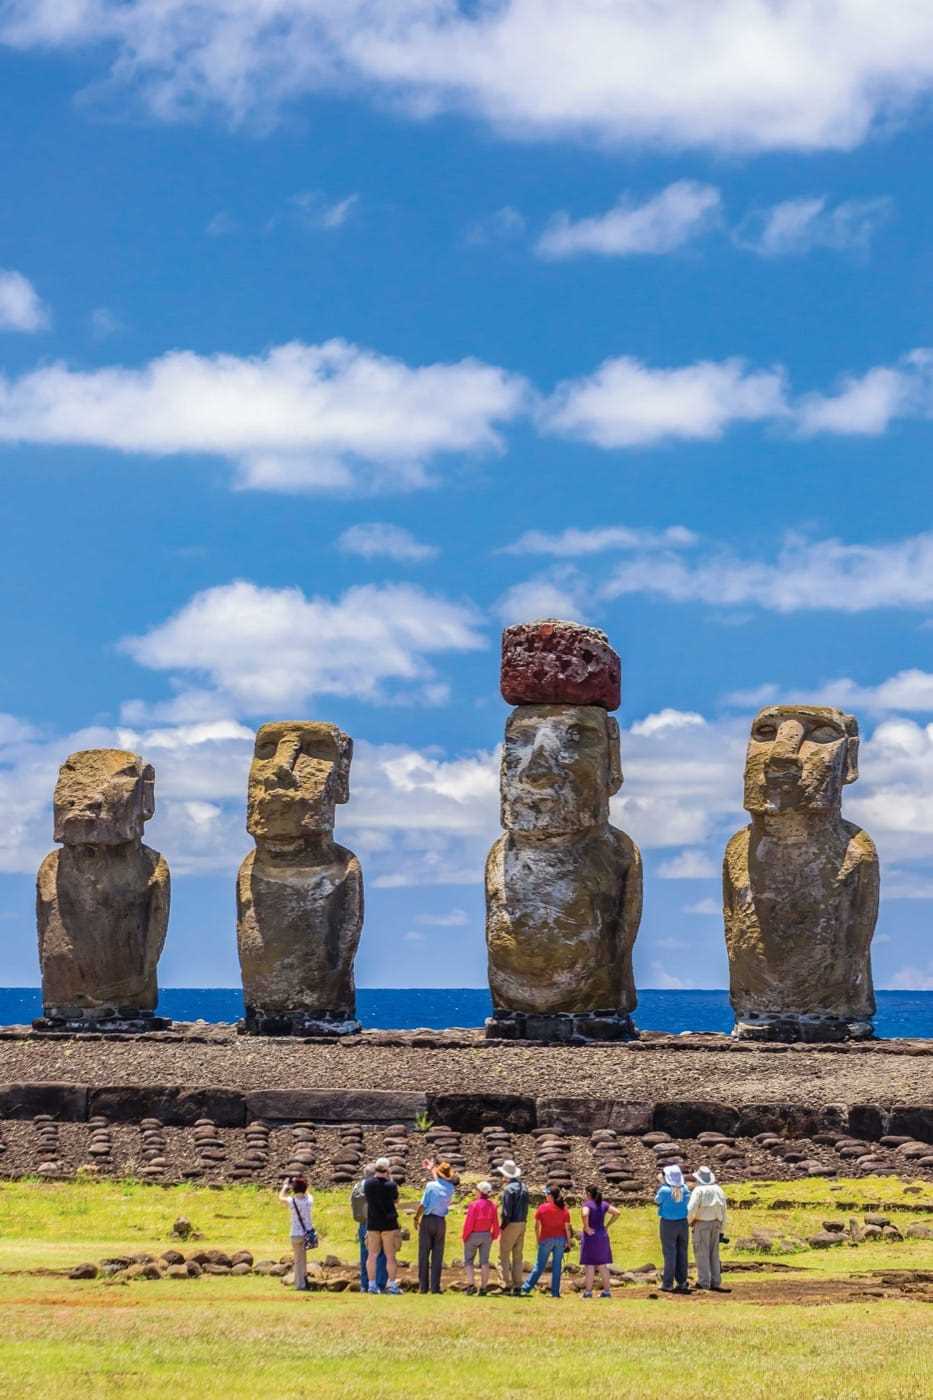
pixel 563 887
pixel 299 894
pixel 800 885
pixel 103 899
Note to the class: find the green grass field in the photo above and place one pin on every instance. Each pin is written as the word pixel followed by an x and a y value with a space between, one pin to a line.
pixel 244 1337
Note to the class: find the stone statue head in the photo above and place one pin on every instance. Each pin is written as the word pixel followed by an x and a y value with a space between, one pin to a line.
pixel 103 797
pixel 800 757
pixel 300 771
pixel 560 766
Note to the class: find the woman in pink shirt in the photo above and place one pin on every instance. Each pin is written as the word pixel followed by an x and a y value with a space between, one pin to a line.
pixel 480 1228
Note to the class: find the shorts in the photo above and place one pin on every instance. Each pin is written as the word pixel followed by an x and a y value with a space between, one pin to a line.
pixel 479 1240
pixel 376 1241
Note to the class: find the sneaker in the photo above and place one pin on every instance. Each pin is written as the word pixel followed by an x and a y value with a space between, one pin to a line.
pixel 683 1288
pixel 482 1292
pixel 471 1289
pixel 524 1293
pixel 719 1288
pixel 605 1294
pixel 393 1287
pixel 372 1288
pixel 584 1294
pixel 665 1289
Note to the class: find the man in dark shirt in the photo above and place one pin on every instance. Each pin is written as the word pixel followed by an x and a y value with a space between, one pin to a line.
pixel 382 1228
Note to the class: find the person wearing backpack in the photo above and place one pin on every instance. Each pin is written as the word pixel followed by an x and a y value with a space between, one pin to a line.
pixel 382 1227
pixel 294 1194
pixel 513 1219
pixel 358 1208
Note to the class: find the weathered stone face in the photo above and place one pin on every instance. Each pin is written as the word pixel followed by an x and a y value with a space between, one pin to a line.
pixel 799 756
pixel 800 884
pixel 299 894
pixel 103 797
pixel 560 766
pixel 563 887
pixel 300 771
pixel 103 900
pixel 552 662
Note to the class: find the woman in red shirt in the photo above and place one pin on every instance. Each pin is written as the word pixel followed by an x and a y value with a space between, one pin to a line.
pixel 480 1228
pixel 555 1235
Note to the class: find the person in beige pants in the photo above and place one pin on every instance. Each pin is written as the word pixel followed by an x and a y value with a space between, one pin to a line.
pixel 513 1220
pixel 294 1194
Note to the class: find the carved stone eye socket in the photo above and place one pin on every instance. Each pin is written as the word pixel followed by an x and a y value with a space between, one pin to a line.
pixel 265 751
pixel 574 734
pixel 764 733
pixel 826 734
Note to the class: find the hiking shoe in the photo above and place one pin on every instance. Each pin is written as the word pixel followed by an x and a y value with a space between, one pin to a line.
pixel 393 1287
pixel 605 1294
pixel 584 1294
pixel 372 1288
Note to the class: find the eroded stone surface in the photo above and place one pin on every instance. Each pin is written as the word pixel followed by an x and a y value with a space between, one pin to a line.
pixel 103 900
pixel 299 894
pixel 563 887
pixel 800 884
pixel 559 663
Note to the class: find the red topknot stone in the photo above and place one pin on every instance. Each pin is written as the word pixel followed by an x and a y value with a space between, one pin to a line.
pixel 559 663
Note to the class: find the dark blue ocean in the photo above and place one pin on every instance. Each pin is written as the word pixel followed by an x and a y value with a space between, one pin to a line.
pixel 401 1008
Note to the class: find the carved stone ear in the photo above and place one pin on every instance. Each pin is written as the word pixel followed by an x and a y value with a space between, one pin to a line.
pixel 342 768
pixel 851 772
pixel 148 782
pixel 615 754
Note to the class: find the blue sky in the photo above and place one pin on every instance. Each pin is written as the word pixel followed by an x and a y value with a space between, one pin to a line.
pixel 333 337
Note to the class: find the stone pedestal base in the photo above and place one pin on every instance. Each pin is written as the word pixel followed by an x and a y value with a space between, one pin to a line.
pixel 811 1029
pixel 561 1028
pixel 132 1023
pixel 330 1023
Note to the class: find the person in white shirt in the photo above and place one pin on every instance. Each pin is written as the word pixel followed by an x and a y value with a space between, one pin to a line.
pixel 294 1194
pixel 706 1216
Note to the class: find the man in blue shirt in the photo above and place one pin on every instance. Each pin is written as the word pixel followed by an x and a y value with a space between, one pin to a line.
pixel 431 1219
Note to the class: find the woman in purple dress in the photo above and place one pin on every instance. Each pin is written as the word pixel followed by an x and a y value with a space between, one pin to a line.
pixel 595 1249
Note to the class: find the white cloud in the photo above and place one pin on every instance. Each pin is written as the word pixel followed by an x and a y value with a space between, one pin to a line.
pixel 317 211
pixel 300 417
pixel 680 212
pixel 502 226
pixel 264 650
pixel 865 405
pixel 689 865
pixel 913 978
pixel 626 403
pixel 572 542
pixel 457 918
pixel 805 575
pixel 561 594
pixel 21 308
pixel 666 721
pixel 796 226
pixel 708 908
pixel 104 323
pixel 663 980
pixel 377 540
pixel 794 76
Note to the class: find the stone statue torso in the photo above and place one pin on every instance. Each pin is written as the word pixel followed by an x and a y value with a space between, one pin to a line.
pixel 799 917
pixel 298 927
pixel 102 917
pixel 561 920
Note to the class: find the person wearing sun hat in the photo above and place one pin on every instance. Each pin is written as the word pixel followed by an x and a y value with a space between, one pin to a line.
pixel 431 1220
pixel 480 1228
pixel 513 1220
pixel 672 1201
pixel 706 1216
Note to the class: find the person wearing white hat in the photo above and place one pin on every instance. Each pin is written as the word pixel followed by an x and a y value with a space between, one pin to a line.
pixel 706 1216
pixel 672 1202
pixel 480 1228
pixel 513 1220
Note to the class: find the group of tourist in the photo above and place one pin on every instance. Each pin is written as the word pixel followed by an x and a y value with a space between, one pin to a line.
pixel 684 1214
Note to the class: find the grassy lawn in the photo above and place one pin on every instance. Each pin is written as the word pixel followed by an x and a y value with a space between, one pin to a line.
pixel 247 1336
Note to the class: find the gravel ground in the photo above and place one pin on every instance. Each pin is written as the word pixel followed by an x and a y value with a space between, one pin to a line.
pixel 811 1077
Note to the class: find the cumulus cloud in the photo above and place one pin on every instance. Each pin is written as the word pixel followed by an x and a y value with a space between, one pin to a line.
pixel 866 404
pixel 626 403
pixel 797 226
pixel 680 212
pixel 377 540
pixel 300 417
pixel 689 865
pixel 619 74
pixel 805 575
pixel 570 543
pixel 21 308
pixel 273 649
pixel 561 594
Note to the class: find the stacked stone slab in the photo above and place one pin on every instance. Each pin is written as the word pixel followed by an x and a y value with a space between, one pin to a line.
pixel 800 884
pixel 103 899
pixel 563 887
pixel 299 894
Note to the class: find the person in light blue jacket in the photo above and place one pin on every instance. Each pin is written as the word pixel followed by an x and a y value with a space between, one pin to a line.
pixel 673 1201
